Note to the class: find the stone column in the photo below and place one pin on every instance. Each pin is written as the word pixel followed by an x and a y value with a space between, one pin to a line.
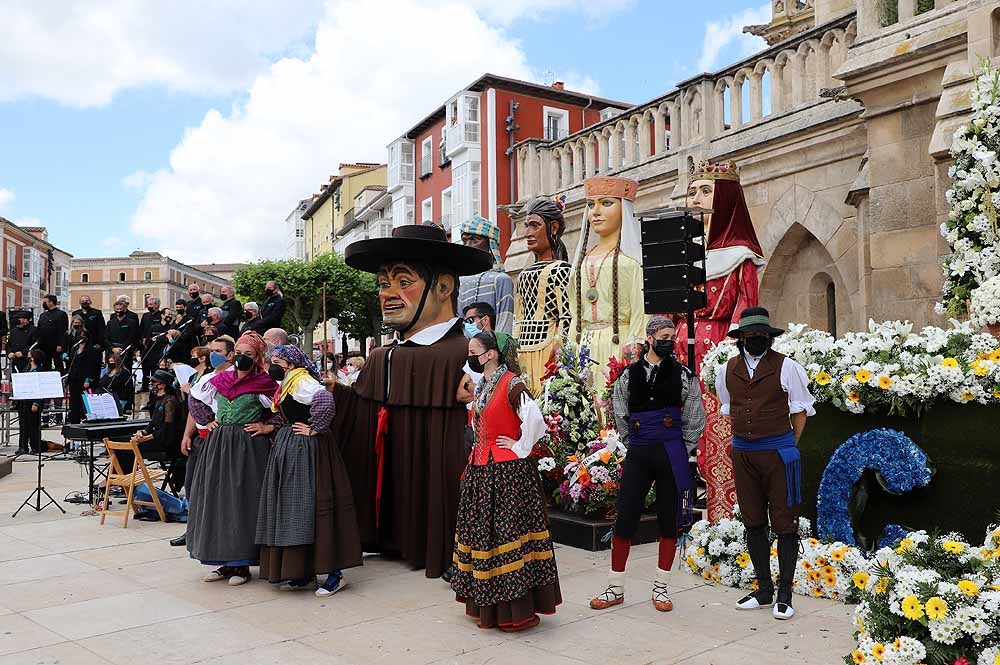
pixel 756 97
pixel 659 130
pixel 577 162
pixel 589 168
pixel 614 148
pixel 629 142
pixel 603 156
pixel 644 137
pixel 566 162
pixel 736 104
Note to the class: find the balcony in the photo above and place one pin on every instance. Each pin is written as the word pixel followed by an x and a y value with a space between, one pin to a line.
pixel 462 135
pixel 426 164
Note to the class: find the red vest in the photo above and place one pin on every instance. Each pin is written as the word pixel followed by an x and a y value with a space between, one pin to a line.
pixel 496 419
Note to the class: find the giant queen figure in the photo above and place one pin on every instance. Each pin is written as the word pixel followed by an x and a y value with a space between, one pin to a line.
pixel 606 284
pixel 733 259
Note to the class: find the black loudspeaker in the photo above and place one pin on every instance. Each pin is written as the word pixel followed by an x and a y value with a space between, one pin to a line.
pixel 673 255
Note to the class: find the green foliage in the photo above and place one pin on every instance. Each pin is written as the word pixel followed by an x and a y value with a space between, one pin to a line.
pixel 351 295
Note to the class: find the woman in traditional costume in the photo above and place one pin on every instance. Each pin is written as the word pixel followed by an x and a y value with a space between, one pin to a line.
pixel 306 523
pixel 542 312
pixel 606 285
pixel 222 516
pixel 506 564
pixel 732 262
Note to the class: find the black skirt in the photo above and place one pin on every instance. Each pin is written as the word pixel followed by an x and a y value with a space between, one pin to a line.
pixel 506 563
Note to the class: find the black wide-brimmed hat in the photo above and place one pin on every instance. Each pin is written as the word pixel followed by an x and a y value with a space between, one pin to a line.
pixel 755 320
pixel 162 376
pixel 411 242
pixel 20 314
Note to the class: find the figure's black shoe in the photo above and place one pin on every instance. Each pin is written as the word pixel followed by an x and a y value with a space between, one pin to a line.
pixel 449 572
pixel 179 541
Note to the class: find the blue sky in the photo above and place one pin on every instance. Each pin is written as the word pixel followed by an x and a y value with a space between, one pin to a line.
pixel 195 133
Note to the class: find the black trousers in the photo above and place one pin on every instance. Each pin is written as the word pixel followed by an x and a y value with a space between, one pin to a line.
pixel 30 434
pixel 643 466
pixel 76 409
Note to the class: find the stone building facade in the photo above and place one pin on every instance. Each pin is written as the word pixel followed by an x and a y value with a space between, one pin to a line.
pixel 841 128
pixel 138 275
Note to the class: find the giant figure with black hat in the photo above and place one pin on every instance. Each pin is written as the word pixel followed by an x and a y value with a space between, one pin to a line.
pixel 402 422
pixel 767 399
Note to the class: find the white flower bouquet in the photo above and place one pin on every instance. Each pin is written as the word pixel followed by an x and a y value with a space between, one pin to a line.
pixel 986 303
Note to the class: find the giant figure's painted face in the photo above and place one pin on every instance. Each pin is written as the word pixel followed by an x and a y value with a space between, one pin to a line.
pixel 701 194
pixel 535 236
pixel 605 214
pixel 400 288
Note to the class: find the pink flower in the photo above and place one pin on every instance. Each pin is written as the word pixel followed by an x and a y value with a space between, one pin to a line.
pixel 961 660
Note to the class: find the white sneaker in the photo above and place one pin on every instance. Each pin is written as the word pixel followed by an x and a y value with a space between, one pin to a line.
pixel 328 590
pixel 237 580
pixel 782 612
pixel 751 602
pixel 214 576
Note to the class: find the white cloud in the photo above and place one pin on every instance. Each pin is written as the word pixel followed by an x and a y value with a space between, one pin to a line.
pixel 507 12
pixel 137 181
pixel 723 35
pixel 6 196
pixel 80 52
pixel 371 76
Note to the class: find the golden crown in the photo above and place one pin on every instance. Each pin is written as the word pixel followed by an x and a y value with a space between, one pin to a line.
pixel 705 170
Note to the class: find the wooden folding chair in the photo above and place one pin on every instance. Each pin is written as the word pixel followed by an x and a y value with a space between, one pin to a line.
pixel 118 477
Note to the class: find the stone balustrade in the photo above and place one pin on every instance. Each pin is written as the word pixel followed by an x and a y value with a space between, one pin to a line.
pixel 776 82
pixel 874 15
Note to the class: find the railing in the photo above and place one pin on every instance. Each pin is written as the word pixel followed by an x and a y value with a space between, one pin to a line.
pixel 776 81
pixel 460 134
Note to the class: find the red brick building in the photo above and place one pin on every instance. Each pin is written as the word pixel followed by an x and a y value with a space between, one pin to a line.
pixel 32 267
pixel 457 161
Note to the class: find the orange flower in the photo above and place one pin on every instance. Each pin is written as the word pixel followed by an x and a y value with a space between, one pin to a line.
pixel 571 458
pixel 605 457
pixel 584 477
pixel 610 486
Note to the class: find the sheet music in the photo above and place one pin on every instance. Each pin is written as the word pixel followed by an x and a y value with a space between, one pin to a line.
pixel 37 385
pixel 183 372
pixel 100 406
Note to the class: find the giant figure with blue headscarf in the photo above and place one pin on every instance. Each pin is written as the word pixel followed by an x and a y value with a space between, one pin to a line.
pixel 493 286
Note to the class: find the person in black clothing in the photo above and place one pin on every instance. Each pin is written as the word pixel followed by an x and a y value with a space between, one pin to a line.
pixel 194 303
pixel 53 324
pixel 252 320
pixel 21 340
pixel 122 330
pixel 215 319
pixel 4 328
pixel 167 419
pixel 232 311
pixel 189 329
pixel 273 309
pixel 118 380
pixel 84 366
pixel 29 412
pixel 93 320
pixel 149 317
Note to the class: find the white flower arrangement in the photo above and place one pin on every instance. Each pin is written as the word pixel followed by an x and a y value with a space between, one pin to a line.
pixel 974 198
pixel 927 596
pixel 889 368
pixel 986 303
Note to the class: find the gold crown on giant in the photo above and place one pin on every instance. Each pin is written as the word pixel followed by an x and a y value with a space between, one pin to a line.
pixel 705 170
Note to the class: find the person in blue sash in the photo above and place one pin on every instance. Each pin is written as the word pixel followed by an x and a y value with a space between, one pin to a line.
pixel 767 399
pixel 660 417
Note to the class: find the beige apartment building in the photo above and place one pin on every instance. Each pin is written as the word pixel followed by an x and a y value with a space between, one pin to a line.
pixel 138 276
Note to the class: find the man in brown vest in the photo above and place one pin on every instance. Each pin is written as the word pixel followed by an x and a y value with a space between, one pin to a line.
pixel 766 396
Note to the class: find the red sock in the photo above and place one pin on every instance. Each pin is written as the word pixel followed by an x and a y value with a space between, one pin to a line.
pixel 668 548
pixel 620 546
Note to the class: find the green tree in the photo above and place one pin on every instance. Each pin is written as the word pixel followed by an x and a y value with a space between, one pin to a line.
pixel 351 295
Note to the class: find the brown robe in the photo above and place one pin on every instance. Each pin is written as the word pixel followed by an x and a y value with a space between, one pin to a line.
pixel 424 454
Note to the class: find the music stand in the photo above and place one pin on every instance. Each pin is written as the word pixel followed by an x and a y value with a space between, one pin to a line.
pixel 37 385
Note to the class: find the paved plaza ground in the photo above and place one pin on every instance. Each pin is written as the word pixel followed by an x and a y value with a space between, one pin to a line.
pixel 76 593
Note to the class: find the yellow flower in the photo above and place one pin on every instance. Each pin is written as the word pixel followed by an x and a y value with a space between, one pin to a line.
pixel 860 579
pixel 884 382
pixel 813 541
pixel 878 651
pixel 830 580
pixel 898 643
pixel 853 396
pixel 743 560
pixel 968 395
pixel 821 560
pixel 707 575
pixel 953 546
pixel 838 555
pixel 806 564
pixel 995 356
pixel 755 585
pixel 936 608
pixel 814 576
pixel 980 370
pixel 882 585
pixel 845 378
pixel 912 608
pixel 863 376
pixel 905 545
pixel 949 362
pixel 996 392
pixel 969 588
pixel 829 570
pixel 701 551
pixel 822 378
pixel 817 591
pixel 858 657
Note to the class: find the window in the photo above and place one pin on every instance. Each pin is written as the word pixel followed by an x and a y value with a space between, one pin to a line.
pixel 149 276
pixel 608 113
pixel 426 156
pixel 427 210
pixel 10 298
pixel 465 192
pixel 300 233
pixel 471 119
pixel 556 123
pixel 446 210
pixel 85 278
pixel 443 147
pixel 11 262
pixel 121 277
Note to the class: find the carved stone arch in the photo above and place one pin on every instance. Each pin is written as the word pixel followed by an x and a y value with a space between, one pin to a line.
pixel 741 76
pixel 764 66
pixel 851 32
pixel 796 244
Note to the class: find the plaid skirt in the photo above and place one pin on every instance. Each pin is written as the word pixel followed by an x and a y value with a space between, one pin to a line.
pixel 506 564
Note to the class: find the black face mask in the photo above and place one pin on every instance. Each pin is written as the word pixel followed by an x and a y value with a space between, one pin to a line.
pixel 664 348
pixel 269 292
pixel 757 346
pixel 194 362
pixel 475 364
pixel 242 363
pixel 85 306
pixel 276 372
pixel 223 297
